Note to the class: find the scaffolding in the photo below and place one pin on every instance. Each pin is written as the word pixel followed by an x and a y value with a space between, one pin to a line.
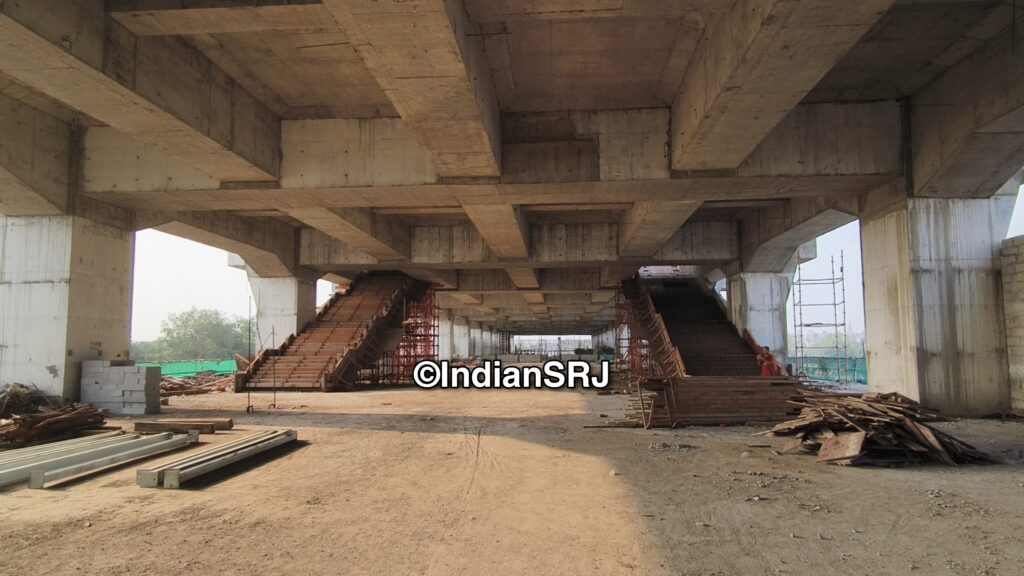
pixel 419 336
pixel 632 353
pixel 815 302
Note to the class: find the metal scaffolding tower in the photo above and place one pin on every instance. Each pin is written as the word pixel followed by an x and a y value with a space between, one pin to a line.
pixel 819 308
pixel 419 336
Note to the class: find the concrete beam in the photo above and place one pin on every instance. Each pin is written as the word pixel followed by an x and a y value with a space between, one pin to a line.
pixel 504 227
pixel 524 278
pixel 771 236
pixel 145 87
pixel 267 245
pixel 648 225
pixel 968 124
pixel 440 278
pixel 754 64
pixel 35 157
pixel 382 237
pixel 433 68
pixel 189 17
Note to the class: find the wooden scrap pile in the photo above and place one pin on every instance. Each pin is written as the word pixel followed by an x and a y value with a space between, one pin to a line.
pixel 878 429
pixel 21 399
pixel 49 423
pixel 199 384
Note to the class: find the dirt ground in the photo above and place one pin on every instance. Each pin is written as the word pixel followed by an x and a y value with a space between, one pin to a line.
pixel 510 482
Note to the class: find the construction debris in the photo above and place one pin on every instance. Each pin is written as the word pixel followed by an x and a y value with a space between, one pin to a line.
pixel 204 383
pixel 173 474
pixel 872 429
pixel 21 399
pixel 49 423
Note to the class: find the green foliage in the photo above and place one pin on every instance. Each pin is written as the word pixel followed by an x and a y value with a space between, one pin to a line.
pixel 196 334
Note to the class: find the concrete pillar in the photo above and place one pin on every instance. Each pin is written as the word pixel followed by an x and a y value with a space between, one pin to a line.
pixel 65 297
pixel 475 340
pixel 460 337
pixel 933 302
pixel 445 343
pixel 757 303
pixel 1012 271
pixel 283 307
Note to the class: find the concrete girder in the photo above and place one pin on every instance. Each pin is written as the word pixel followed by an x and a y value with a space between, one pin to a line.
pixel 564 158
pixel 433 68
pixel 772 236
pixel 967 125
pixel 162 18
pixel 145 87
pixel 754 64
pixel 553 246
pixel 504 227
pixel 647 226
pixel 268 246
pixel 382 237
pixel 35 157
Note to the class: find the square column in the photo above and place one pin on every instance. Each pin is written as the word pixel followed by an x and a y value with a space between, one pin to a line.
pixel 1012 261
pixel 283 307
pixel 933 302
pixel 65 297
pixel 460 337
pixel 757 304
pixel 445 343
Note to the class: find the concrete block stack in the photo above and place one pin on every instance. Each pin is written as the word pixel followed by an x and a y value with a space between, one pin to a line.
pixel 1011 256
pixel 120 387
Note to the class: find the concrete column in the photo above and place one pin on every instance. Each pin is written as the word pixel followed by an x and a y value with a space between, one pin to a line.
pixel 445 348
pixel 475 339
pixel 283 307
pixel 65 297
pixel 460 337
pixel 1012 269
pixel 757 303
pixel 933 302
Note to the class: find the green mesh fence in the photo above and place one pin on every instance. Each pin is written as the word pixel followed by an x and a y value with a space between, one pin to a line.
pixel 189 368
pixel 830 369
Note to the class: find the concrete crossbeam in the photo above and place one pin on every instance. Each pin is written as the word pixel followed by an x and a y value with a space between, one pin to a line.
pixel 35 156
pixel 504 227
pixel 188 17
pixel 382 237
pixel 968 124
pixel 436 74
pixel 648 225
pixel 754 64
pixel 268 246
pixel 772 235
pixel 145 87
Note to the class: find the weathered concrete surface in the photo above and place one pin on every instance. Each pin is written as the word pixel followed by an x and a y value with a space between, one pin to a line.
pixel 1011 257
pixel 757 304
pixel 283 307
pixel 65 296
pixel 933 302
pixel 34 161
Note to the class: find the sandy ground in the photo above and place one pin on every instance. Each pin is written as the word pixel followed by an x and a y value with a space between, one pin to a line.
pixel 510 482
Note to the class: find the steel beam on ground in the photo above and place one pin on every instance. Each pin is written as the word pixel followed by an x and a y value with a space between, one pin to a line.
pixel 174 477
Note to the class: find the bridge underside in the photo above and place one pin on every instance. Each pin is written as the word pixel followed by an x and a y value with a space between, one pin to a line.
pixel 524 156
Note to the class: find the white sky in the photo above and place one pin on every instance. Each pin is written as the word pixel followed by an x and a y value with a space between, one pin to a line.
pixel 173 275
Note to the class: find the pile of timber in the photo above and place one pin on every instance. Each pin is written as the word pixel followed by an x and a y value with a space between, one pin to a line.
pixel 173 474
pixel 49 423
pixel 18 398
pixel 878 429
pixel 199 384
pixel 659 402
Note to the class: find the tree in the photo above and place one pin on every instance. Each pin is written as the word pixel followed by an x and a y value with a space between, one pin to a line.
pixel 196 334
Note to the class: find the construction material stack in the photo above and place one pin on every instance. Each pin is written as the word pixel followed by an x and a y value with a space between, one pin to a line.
pixel 121 387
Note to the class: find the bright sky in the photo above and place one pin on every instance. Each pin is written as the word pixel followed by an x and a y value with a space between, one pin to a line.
pixel 173 275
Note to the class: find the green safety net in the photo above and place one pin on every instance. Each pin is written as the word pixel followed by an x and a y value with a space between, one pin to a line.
pixel 189 368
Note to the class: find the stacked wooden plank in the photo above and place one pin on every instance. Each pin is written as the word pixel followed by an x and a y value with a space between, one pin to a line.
pixel 879 429
pixel 710 400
